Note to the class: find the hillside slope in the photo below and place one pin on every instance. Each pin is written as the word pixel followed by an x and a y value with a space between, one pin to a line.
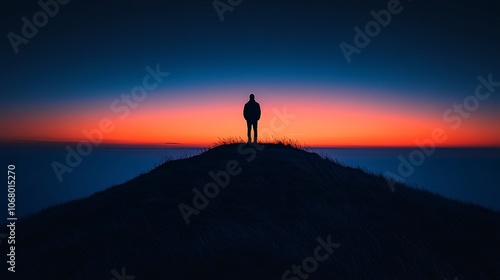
pixel 283 213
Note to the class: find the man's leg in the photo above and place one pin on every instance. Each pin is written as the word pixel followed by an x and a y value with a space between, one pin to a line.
pixel 255 132
pixel 249 128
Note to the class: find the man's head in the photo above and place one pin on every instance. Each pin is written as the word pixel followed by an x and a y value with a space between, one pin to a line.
pixel 252 97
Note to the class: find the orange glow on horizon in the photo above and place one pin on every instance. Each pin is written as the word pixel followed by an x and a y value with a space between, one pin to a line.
pixel 319 120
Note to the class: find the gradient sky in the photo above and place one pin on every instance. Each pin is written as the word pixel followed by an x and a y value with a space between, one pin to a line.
pixel 287 53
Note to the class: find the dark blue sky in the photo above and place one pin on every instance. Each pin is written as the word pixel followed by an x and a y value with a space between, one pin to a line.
pixel 97 46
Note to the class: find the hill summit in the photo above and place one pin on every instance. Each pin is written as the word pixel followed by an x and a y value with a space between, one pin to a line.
pixel 260 211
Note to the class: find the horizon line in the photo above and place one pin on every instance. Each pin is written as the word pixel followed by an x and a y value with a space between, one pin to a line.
pixel 206 145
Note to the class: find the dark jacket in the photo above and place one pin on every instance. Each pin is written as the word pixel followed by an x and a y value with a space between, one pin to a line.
pixel 251 112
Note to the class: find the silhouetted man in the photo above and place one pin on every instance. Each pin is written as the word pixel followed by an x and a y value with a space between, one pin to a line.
pixel 251 112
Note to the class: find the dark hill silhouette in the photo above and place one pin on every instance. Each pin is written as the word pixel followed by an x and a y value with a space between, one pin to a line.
pixel 266 220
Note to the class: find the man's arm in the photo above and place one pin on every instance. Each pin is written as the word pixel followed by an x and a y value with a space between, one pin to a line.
pixel 258 111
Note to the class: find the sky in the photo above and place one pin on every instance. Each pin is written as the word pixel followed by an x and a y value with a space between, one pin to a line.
pixel 81 72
